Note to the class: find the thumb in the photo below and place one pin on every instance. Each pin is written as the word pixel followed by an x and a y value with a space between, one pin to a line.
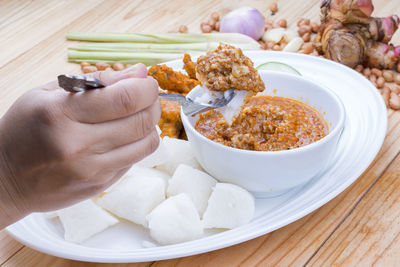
pixel 109 77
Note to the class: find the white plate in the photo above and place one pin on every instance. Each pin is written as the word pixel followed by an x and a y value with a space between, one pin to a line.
pixel 364 132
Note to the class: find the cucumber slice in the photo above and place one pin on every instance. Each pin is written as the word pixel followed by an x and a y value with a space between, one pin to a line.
pixel 278 66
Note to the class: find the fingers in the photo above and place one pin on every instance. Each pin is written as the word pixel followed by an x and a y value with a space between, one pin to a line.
pixel 115 178
pixel 110 77
pixel 116 133
pixel 99 184
pixel 127 155
pixel 116 101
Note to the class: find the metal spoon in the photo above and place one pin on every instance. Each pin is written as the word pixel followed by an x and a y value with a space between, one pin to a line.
pixel 192 108
pixel 79 83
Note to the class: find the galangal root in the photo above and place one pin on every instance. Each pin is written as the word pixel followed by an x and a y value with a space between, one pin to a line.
pixel 349 35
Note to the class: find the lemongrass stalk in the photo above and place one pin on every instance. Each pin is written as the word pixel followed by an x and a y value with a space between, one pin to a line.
pixel 147 62
pixel 166 38
pixel 152 46
pixel 144 57
pixel 117 55
pixel 135 37
pixel 181 47
pixel 119 50
pixel 99 49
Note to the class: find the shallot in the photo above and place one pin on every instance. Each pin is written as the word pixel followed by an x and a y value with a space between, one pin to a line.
pixel 245 20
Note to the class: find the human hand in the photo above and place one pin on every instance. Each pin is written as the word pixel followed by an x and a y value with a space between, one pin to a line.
pixel 58 148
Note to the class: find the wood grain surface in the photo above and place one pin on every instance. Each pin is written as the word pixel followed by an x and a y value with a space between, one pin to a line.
pixel 360 227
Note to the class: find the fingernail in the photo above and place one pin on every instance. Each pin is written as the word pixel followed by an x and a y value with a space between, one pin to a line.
pixel 136 71
pixel 129 69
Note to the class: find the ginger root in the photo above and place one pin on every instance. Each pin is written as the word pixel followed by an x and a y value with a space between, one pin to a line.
pixel 349 35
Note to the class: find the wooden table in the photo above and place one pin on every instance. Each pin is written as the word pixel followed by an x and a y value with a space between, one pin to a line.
pixel 359 227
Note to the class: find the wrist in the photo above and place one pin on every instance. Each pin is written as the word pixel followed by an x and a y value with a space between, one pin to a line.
pixel 9 210
pixel 10 207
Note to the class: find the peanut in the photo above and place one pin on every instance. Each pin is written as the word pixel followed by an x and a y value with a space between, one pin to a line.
pixel 102 65
pixel 397 78
pixel 306 37
pixel 300 22
pixel 304 29
pixel 307 47
pixel 212 23
pixel 306 22
pixel 359 68
pixel 301 31
pixel 367 71
pixel 217 26
pixel 372 78
pixel 273 7
pixel 89 69
pixel 386 95
pixel 205 28
pixel 394 101
pixel 84 64
pixel 395 89
pixel 183 29
pixel 118 66
pixel 282 23
pixel 376 72
pixel 380 82
pixel 388 75
pixel 215 16
pixel 314 27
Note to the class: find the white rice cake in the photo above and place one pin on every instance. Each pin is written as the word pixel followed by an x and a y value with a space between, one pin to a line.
pixel 175 220
pixel 195 183
pixel 136 195
pixel 229 206
pixel 179 152
pixel 83 220
pixel 232 109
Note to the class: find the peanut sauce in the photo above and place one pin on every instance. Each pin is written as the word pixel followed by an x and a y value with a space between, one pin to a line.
pixel 265 123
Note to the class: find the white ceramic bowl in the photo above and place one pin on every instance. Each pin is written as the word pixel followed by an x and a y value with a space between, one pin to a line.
pixel 271 173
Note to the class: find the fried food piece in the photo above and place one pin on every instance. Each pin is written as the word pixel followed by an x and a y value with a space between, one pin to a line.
pixel 170 122
pixel 189 66
pixel 226 68
pixel 171 80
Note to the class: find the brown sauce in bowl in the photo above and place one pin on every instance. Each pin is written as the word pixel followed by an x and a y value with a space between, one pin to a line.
pixel 265 123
